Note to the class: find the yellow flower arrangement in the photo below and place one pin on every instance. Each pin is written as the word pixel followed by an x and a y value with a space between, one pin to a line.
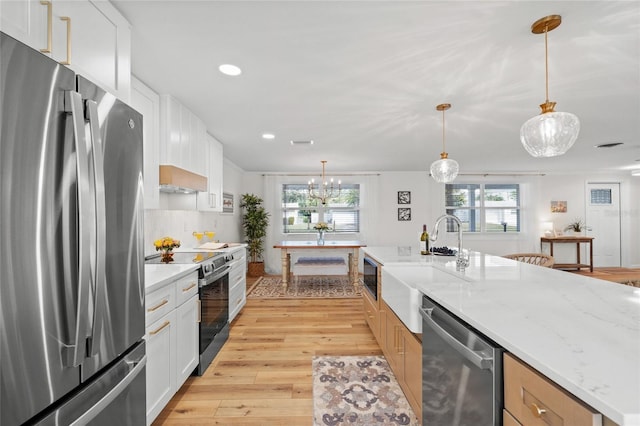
pixel 321 226
pixel 166 244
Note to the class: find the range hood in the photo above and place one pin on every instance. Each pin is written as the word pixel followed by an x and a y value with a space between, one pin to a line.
pixel 176 180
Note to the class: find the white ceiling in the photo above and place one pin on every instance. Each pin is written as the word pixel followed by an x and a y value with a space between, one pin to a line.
pixel 363 78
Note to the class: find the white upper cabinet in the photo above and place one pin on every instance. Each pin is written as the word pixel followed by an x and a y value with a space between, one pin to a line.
pixel 212 199
pixel 89 36
pixel 26 20
pixel 147 103
pixel 182 136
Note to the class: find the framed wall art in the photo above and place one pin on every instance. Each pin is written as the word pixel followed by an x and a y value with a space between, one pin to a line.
pixel 227 202
pixel 404 197
pixel 404 214
pixel 558 207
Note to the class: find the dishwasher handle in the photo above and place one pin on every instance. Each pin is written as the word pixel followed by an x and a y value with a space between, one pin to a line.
pixel 476 358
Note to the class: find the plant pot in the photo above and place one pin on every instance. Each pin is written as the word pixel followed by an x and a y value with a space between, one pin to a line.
pixel 256 269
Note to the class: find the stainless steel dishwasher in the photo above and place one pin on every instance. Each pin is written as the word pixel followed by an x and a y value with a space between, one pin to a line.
pixel 461 371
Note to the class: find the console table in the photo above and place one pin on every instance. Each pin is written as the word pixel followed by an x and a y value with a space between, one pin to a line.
pixel 286 247
pixel 573 240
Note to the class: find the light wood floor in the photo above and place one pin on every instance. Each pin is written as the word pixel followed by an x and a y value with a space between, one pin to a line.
pixel 262 375
pixel 619 275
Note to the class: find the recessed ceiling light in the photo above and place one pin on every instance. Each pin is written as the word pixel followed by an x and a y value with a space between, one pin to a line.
pixel 635 172
pixel 268 136
pixel 229 69
pixel 309 142
pixel 609 145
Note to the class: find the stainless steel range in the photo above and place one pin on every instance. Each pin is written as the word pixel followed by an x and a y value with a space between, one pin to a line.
pixel 213 283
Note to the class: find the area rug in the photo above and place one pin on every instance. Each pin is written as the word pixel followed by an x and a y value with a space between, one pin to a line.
pixel 312 286
pixel 356 390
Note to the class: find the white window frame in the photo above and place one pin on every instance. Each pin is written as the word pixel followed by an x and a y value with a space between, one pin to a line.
pixel 482 208
pixel 321 210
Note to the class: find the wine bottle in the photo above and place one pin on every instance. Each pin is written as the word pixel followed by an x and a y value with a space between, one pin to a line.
pixel 424 241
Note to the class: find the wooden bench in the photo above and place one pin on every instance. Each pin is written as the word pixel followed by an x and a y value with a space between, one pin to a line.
pixel 320 266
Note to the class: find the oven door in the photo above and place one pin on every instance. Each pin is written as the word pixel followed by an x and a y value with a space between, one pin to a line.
pixel 214 315
pixel 370 277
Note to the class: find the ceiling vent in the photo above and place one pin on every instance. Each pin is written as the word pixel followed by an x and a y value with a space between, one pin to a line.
pixel 609 145
pixel 309 142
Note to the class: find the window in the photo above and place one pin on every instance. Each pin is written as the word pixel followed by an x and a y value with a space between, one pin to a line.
pixel 484 207
pixel 300 213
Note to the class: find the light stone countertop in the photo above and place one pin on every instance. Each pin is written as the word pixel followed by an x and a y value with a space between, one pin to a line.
pixel 158 275
pixel 580 332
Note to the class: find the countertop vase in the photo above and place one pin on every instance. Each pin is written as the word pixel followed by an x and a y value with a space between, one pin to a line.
pixel 320 238
pixel 167 256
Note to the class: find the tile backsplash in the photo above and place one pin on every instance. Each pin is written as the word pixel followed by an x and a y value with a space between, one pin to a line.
pixel 180 224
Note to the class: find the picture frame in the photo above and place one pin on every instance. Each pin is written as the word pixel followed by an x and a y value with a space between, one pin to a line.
pixel 558 207
pixel 404 214
pixel 227 202
pixel 404 197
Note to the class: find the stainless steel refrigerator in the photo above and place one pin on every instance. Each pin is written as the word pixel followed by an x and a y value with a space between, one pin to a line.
pixel 71 248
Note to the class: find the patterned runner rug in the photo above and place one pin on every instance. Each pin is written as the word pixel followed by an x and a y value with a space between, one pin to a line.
pixel 356 390
pixel 312 286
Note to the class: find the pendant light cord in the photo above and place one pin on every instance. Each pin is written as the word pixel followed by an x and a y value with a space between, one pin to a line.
pixel 443 150
pixel 546 63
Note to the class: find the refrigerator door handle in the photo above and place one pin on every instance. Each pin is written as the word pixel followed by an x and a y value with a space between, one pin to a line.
pixel 100 279
pixel 73 353
pixel 90 414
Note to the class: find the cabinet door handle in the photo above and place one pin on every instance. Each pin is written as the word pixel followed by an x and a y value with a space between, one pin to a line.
pixel 159 329
pixel 199 311
pixel 68 61
pixel 158 306
pixel 189 288
pixel 49 25
pixel 536 410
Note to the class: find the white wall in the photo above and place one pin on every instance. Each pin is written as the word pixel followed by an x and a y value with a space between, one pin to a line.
pixel 427 203
pixel 178 217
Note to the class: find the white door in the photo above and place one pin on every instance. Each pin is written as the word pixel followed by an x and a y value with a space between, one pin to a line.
pixel 603 222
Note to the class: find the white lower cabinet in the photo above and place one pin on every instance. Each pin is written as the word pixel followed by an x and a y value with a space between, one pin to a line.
pixel 172 340
pixel 187 354
pixel 237 283
pixel 160 338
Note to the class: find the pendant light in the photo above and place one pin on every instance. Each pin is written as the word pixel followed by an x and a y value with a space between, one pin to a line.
pixel 551 133
pixel 445 169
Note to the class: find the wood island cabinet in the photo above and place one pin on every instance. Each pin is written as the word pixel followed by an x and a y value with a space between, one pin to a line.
pixel 534 400
pixel 402 349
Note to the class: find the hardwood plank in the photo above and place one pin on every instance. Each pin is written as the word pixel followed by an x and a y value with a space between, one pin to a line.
pixel 262 376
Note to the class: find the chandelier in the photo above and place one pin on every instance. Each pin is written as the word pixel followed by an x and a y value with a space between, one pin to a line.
pixel 445 169
pixel 325 190
pixel 551 133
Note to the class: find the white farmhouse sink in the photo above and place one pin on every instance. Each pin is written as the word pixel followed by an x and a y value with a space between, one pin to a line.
pixel 400 293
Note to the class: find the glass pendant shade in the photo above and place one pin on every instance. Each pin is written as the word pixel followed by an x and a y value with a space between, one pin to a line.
pixel 444 170
pixel 550 134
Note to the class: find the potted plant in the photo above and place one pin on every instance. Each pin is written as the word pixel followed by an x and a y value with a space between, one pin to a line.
pixel 577 226
pixel 255 222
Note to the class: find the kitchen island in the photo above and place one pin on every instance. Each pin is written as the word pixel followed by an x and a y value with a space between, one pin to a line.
pixel 579 332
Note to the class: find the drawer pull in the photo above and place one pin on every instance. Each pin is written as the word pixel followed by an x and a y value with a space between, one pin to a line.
pixel 537 411
pixel 189 288
pixel 158 306
pixel 68 20
pixel 159 329
pixel 49 26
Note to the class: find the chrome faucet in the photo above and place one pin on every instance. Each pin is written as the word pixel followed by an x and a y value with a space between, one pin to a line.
pixel 461 261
